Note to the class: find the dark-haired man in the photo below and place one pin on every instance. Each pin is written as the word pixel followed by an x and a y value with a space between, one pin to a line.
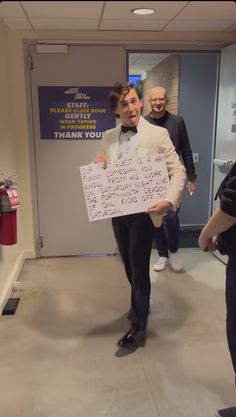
pixel 134 233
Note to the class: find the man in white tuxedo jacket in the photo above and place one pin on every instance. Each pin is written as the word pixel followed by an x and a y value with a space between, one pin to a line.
pixel 134 233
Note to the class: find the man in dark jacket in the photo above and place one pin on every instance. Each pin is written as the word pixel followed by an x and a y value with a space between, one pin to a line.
pixel 167 236
pixel 219 233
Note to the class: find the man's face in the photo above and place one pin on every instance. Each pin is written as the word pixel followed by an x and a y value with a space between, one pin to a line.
pixel 158 100
pixel 129 108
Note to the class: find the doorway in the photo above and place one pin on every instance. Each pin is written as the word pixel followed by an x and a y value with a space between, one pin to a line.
pixel 191 80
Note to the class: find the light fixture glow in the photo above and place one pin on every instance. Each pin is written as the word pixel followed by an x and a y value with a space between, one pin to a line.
pixel 143 11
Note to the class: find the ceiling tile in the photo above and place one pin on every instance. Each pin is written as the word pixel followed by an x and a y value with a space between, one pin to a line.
pixel 151 59
pixel 126 24
pixel 138 63
pixel 209 10
pixel 146 58
pixel 11 9
pixel 122 9
pixel 133 58
pixel 63 9
pixel 16 23
pixel 64 24
pixel 198 25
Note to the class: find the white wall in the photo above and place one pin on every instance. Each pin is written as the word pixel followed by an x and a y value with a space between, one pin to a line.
pixel 14 159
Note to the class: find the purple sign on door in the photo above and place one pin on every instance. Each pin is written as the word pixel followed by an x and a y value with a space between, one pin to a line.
pixel 74 113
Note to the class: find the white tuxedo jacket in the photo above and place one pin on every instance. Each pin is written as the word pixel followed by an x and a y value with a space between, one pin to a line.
pixel 151 140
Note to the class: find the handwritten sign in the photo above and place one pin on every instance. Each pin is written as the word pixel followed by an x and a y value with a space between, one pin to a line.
pixel 125 186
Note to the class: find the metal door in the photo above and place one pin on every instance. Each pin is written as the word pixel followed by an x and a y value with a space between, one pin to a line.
pixel 62 215
pixel 225 147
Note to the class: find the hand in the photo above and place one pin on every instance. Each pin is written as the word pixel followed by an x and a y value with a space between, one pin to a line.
pixel 207 244
pixel 213 244
pixel 102 158
pixel 191 187
pixel 160 208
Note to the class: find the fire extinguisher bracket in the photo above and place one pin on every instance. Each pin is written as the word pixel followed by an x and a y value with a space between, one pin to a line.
pixel 5 205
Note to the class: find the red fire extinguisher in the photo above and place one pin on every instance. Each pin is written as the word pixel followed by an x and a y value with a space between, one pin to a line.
pixel 9 201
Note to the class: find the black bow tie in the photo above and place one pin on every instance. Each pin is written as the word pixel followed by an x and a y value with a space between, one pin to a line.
pixel 126 128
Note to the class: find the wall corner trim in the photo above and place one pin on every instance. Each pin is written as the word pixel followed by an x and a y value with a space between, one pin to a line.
pixel 13 276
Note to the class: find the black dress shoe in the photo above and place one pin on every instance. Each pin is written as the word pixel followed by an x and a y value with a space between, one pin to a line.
pixel 133 338
pixel 227 412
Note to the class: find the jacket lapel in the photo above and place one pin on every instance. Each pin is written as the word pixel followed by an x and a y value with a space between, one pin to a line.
pixel 114 145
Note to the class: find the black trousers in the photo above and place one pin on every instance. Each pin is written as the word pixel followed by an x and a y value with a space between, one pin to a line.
pixel 134 236
pixel 167 236
pixel 230 296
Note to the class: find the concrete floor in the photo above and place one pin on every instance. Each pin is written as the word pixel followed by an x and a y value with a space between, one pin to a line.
pixel 57 353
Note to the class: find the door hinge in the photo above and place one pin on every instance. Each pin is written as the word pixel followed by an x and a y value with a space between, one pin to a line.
pixel 30 62
pixel 40 242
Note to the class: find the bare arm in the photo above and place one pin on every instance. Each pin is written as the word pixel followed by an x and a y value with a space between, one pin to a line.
pixel 218 223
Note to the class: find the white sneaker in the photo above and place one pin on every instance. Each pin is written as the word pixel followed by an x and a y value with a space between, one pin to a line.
pixel 161 264
pixel 175 261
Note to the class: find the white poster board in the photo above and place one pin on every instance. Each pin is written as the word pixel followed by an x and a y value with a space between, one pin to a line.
pixel 125 186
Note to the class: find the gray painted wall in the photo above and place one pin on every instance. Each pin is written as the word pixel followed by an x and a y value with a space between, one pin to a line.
pixel 197 95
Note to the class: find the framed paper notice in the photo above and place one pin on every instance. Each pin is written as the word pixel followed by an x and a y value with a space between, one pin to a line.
pixel 125 186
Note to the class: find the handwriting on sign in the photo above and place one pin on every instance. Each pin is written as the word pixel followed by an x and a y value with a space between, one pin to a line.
pixel 124 186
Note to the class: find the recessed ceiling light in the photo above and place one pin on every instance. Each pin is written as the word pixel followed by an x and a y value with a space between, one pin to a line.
pixel 143 11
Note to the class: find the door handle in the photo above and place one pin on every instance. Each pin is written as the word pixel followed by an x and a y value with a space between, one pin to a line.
pixel 223 164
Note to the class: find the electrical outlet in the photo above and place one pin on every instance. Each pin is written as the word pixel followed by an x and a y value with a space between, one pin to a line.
pixel 196 158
